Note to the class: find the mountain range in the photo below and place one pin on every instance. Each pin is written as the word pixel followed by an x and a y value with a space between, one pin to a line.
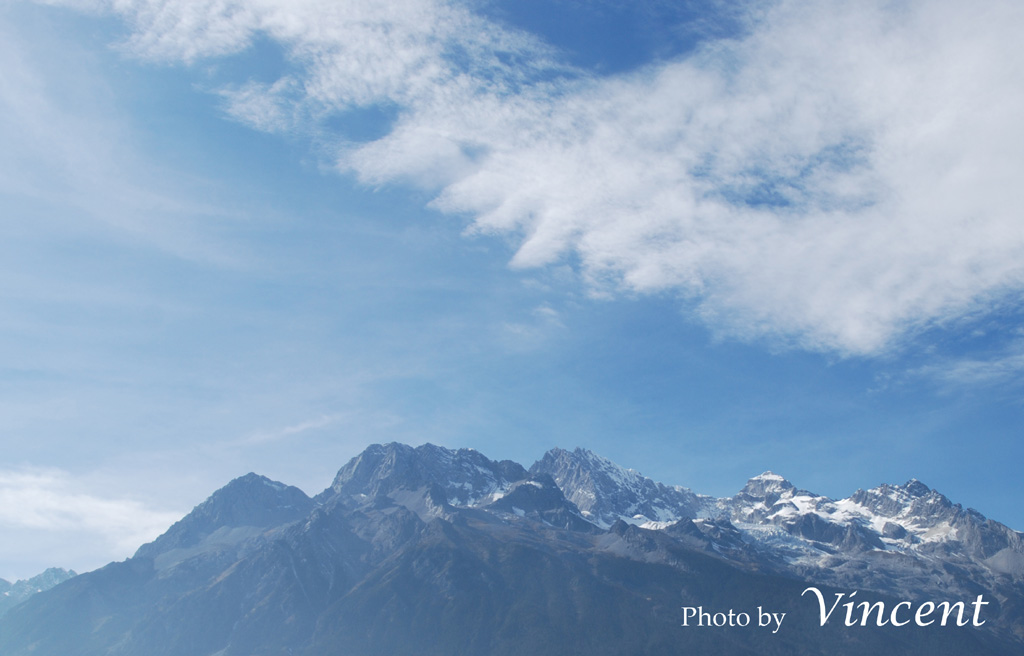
pixel 429 550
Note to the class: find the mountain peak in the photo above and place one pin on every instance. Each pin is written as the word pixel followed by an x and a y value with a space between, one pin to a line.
pixel 250 500
pixel 915 488
pixel 767 487
pixel 466 476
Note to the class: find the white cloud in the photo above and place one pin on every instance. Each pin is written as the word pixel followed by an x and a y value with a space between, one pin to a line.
pixel 51 500
pixel 839 178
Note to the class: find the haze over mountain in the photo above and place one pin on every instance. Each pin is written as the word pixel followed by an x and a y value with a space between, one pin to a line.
pixel 434 551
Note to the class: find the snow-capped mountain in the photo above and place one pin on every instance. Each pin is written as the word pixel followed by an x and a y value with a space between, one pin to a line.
pixel 605 492
pixel 434 551
pixel 905 519
pixel 895 539
pixel 909 519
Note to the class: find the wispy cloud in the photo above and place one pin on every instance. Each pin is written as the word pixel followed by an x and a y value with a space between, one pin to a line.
pixel 534 331
pixel 68 145
pixel 837 178
pixel 291 431
pixel 1001 368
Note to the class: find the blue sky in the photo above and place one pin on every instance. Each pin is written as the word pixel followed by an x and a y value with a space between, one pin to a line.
pixel 701 239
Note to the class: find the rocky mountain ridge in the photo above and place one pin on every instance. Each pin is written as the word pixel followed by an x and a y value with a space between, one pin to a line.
pixel 12 594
